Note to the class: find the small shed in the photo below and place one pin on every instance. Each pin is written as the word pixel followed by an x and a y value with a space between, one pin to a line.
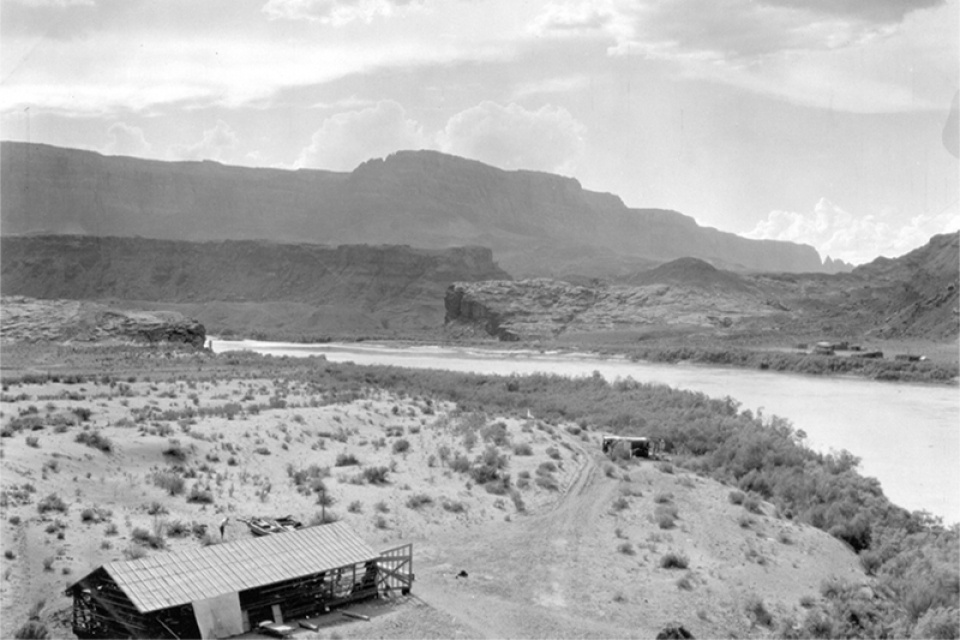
pixel 638 446
pixel 223 590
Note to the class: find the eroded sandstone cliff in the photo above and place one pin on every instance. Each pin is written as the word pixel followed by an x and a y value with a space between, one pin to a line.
pixel 538 224
pixel 24 319
pixel 249 284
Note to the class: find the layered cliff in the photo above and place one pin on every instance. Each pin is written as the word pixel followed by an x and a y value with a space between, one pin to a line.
pixel 25 319
pixel 262 284
pixel 536 223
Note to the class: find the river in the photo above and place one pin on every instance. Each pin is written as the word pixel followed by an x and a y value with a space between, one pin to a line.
pixel 907 435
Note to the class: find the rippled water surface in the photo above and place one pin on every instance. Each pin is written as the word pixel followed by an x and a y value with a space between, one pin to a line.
pixel 907 435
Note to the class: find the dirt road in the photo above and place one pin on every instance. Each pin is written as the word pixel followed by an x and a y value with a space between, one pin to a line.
pixel 530 577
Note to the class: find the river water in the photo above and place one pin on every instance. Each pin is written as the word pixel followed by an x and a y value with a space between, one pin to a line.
pixel 907 435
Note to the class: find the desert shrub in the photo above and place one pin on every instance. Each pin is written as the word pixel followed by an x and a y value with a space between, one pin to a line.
pixel 498 486
pixel 52 502
pixel 324 517
pixel 263 451
pixel 665 467
pixel 674 560
pixel 170 481
pixel 146 538
pixel 752 504
pixel 175 451
pixel 620 504
pixel 662 497
pixel 9 554
pixel 346 459
pixel 547 482
pixel 199 494
pixel 745 521
pixel 381 507
pixel 666 515
pixel 554 453
pixel 757 611
pixel 325 499
pixel 134 552
pixel 32 630
pixel 156 509
pixel 546 467
pixel 938 622
pixel 355 507
pixel 178 529
pixel 418 500
pixel 380 522
pixel 518 502
pixel 523 449
pixel 401 446
pixel 111 529
pixel 610 470
pixel 685 582
pixel 736 497
pixel 33 441
pixel 626 548
pixel 376 475
pixel 95 440
pixel 14 520
pixel 496 434
pixel 453 506
pixel 460 463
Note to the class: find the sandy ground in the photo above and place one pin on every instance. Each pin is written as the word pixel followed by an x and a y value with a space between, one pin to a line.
pixel 581 559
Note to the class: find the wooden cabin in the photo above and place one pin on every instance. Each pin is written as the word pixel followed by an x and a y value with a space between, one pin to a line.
pixel 224 590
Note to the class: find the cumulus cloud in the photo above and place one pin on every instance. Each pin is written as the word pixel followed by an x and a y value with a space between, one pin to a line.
pixel 839 234
pixel 336 12
pixel 349 138
pixel 126 140
pixel 548 139
pixel 214 145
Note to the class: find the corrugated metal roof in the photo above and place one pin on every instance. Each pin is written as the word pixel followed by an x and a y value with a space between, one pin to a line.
pixel 170 579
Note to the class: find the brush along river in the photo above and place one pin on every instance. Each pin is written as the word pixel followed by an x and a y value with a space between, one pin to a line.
pixel 907 435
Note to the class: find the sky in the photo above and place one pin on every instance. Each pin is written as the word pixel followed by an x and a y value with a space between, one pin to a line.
pixel 818 121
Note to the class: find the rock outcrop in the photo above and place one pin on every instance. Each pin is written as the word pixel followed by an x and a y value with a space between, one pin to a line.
pixel 262 285
pixel 537 224
pixel 543 308
pixel 25 319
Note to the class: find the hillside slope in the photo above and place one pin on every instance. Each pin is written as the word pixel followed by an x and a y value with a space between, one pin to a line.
pixel 537 224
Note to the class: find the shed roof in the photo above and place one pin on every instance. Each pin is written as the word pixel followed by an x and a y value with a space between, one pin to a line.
pixel 172 579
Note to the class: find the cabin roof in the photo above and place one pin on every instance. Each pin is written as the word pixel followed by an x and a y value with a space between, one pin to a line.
pixel 171 579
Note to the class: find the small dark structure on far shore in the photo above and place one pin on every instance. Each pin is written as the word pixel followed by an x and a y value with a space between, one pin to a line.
pixel 227 589
pixel 638 446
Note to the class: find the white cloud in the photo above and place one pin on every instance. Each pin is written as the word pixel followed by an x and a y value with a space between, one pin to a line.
pixel 216 142
pixel 841 55
pixel 336 12
pixel 512 137
pixel 839 234
pixel 126 140
pixel 349 138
